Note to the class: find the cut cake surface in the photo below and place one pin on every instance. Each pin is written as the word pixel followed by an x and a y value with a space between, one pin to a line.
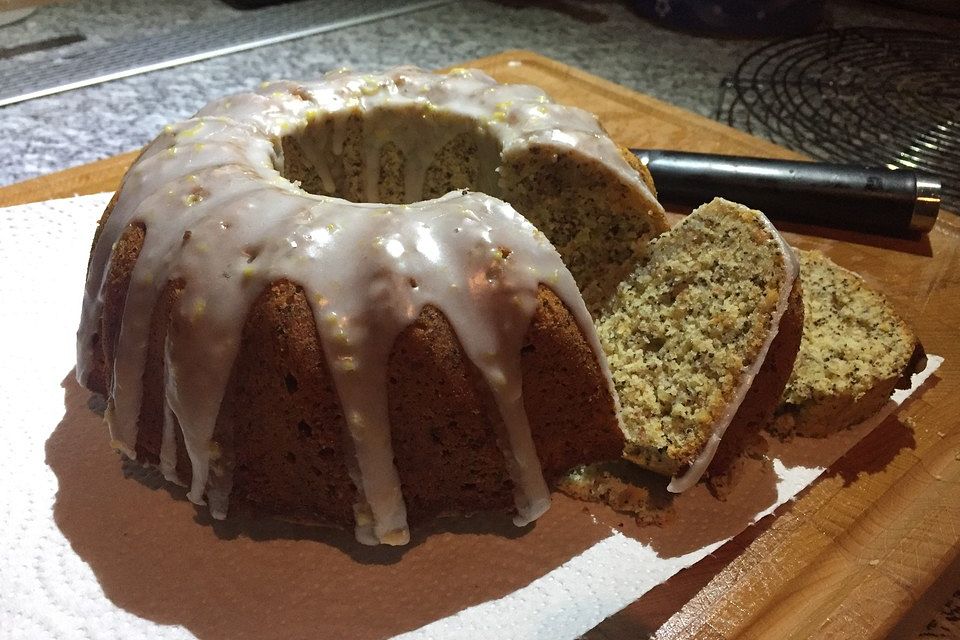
pixel 687 333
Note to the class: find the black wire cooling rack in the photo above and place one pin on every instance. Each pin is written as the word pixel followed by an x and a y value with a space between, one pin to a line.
pixel 880 97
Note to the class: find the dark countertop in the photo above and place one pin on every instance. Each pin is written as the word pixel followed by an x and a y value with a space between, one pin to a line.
pixel 605 38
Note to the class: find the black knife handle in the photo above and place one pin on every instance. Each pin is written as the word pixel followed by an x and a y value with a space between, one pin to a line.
pixel 833 195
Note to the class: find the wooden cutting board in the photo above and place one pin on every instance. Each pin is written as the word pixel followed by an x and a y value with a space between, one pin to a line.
pixel 871 549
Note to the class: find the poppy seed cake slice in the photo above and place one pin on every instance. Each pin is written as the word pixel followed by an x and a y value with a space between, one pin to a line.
pixel 687 335
pixel 855 349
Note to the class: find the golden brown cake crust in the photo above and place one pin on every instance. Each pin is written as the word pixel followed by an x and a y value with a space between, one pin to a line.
pixel 286 424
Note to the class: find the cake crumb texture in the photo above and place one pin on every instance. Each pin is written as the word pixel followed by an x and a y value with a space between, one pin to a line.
pixel 687 325
pixel 624 487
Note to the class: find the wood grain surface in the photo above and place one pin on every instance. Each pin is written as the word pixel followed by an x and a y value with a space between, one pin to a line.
pixel 871 549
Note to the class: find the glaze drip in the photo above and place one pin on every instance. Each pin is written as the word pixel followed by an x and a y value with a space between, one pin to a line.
pixel 221 218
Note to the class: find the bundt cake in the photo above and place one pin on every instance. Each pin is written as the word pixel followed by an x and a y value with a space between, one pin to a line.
pixel 297 300
pixel 855 350
pixel 701 338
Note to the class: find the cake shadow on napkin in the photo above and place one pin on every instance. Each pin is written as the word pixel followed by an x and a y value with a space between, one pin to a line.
pixel 867 447
pixel 872 450
pixel 158 558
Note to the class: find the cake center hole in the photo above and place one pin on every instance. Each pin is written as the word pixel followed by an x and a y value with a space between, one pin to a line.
pixel 391 155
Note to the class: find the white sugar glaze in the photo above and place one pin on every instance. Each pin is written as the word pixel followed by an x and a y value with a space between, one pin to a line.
pixel 220 217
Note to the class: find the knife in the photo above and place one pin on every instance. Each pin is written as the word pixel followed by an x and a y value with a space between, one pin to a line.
pixel 870 199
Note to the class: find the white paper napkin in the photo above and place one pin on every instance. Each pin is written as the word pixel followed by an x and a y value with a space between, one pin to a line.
pixel 47 591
